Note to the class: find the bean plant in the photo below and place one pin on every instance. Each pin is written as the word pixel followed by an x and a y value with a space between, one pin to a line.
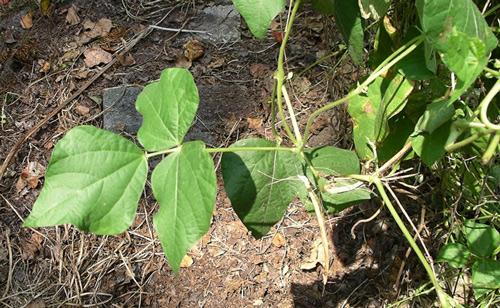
pixel 413 103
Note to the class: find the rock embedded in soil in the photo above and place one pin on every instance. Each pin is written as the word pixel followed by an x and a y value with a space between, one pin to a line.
pixel 222 22
pixel 120 114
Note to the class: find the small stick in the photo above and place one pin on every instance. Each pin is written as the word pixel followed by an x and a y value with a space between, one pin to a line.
pixel 178 30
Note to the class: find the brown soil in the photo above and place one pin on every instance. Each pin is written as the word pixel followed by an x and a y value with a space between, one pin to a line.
pixel 64 267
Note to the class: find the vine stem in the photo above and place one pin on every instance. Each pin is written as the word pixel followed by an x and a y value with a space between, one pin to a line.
pixel 486 103
pixel 394 58
pixel 225 150
pixel 293 118
pixel 455 146
pixel 492 148
pixel 280 73
pixel 443 299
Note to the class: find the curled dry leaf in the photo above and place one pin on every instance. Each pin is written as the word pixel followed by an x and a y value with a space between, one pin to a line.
pixel 259 70
pixel 93 30
pixel 279 240
pixel 186 262
pixel 95 56
pixel 182 61
pixel 30 176
pixel 193 50
pixel 27 21
pixel 126 59
pixel 72 17
pixel 82 110
pixel 315 258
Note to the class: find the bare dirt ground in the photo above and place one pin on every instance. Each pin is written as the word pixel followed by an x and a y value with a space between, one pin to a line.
pixel 42 64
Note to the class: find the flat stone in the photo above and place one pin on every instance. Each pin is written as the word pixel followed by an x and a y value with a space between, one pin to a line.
pixel 222 22
pixel 120 114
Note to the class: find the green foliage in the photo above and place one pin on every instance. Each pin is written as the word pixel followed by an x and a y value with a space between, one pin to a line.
pixel 184 184
pixel 259 14
pixel 485 276
pixel 454 254
pixel 375 9
pixel 168 107
pixel 260 184
pixel 482 239
pixel 94 181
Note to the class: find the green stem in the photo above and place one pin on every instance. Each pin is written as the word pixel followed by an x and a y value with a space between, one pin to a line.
pixel 169 151
pixel 293 118
pixel 492 149
pixel 280 74
pixel 485 105
pixel 394 58
pixel 441 295
pixel 249 149
pixel 455 146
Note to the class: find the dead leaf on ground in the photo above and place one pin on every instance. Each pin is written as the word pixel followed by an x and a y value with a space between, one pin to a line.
pixel 27 21
pixel 94 30
pixel 82 110
pixel 30 176
pixel 316 257
pixel 95 56
pixel 126 59
pixel 186 262
pixel 259 70
pixel 31 246
pixel 72 17
pixel 182 61
pixel 45 7
pixel 279 240
pixel 193 50
pixel 44 66
pixel 255 123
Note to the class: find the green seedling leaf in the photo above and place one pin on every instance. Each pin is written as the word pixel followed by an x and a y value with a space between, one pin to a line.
pixel 329 160
pixel 482 239
pixel 259 14
pixel 94 181
pixel 260 184
pixel 485 275
pixel 373 8
pixel 348 19
pixel 184 184
pixel 168 107
pixel 370 111
pixel 454 254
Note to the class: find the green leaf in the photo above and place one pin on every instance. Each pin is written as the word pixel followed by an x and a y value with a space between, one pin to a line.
pixel 184 184
pixel 330 160
pixel 486 274
pixel 431 147
pixel 401 127
pixel 260 184
pixel 482 239
pixel 374 8
pixel 168 107
pixel 94 181
pixel 454 254
pixel 259 14
pixel 348 19
pixel 370 111
pixel 325 7
pixel 458 31
pixel 436 114
pixel 411 65
pixel 340 194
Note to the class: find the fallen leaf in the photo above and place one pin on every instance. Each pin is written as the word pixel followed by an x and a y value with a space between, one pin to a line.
pixel 278 36
pixel 31 246
pixel 186 262
pixel 45 7
pixel 182 61
pixel 82 73
pixel 44 66
pixel 278 240
pixel 70 55
pixel 94 30
pixel 82 110
pixel 315 258
pixel 126 59
pixel 72 17
pixel 4 2
pixel 255 123
pixel 193 50
pixel 259 70
pixel 30 176
pixel 27 21
pixel 95 56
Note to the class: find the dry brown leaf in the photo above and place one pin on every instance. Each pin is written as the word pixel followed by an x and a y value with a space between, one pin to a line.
pixel 95 56
pixel 186 262
pixel 30 176
pixel 126 59
pixel 255 123
pixel 193 50
pixel 315 258
pixel 182 61
pixel 27 21
pixel 82 110
pixel 259 70
pixel 93 30
pixel 44 66
pixel 279 240
pixel 72 17
pixel 30 247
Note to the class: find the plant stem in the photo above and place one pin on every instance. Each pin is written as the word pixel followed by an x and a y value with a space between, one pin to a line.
pixel 293 118
pixel 394 58
pixel 441 295
pixel 455 146
pixel 280 74
pixel 169 151
pixel 492 149
pixel 249 149
pixel 486 103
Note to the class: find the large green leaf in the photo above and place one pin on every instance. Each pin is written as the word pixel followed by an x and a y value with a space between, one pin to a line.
pixel 482 239
pixel 168 107
pixel 259 14
pixel 455 254
pixel 370 111
pixel 430 147
pixel 184 184
pixel 457 30
pixel 260 184
pixel 411 65
pixel 340 194
pixel 94 181
pixel 486 275
pixel 373 8
pixel 330 160
pixel 348 20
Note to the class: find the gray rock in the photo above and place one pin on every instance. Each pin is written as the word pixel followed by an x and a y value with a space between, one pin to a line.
pixel 120 114
pixel 221 21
